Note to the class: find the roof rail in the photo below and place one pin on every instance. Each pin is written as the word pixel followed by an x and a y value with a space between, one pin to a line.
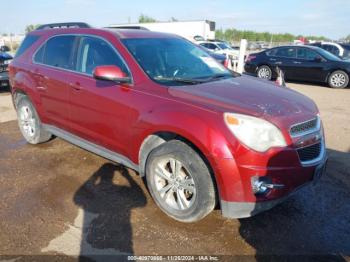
pixel 128 27
pixel 64 25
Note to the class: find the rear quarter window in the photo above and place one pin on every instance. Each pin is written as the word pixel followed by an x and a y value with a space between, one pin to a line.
pixel 28 41
pixel 271 52
pixel 57 52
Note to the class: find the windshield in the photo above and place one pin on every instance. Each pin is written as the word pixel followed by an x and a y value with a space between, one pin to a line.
pixel 328 55
pixel 224 46
pixel 174 61
pixel 346 54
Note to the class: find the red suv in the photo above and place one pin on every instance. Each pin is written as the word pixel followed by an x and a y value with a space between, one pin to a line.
pixel 160 105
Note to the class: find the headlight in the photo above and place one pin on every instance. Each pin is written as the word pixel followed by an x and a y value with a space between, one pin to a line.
pixel 256 133
pixel 7 62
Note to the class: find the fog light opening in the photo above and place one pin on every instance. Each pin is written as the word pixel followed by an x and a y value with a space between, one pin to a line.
pixel 263 185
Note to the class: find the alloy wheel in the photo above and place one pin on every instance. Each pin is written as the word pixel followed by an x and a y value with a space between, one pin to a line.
pixel 338 80
pixel 27 121
pixel 264 73
pixel 174 184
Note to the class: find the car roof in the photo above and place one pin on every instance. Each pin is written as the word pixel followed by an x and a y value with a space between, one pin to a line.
pixel 120 33
pixel 300 46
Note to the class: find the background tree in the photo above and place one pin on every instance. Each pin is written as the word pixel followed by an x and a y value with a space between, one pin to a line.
pixel 30 28
pixel 234 35
pixel 146 19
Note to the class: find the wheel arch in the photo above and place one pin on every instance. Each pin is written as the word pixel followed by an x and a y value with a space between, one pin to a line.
pixel 331 71
pixel 17 95
pixel 272 68
pixel 156 139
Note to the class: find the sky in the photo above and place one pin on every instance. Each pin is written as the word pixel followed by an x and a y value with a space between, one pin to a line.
pixel 329 18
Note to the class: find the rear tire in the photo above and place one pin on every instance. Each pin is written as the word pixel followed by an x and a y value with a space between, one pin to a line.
pixel 180 182
pixel 29 122
pixel 264 72
pixel 338 79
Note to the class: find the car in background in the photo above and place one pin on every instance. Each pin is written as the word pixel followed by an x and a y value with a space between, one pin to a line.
pixel 263 45
pixel 253 46
pixel 220 47
pixel 305 63
pixel 221 58
pixel 5 60
pixel 340 50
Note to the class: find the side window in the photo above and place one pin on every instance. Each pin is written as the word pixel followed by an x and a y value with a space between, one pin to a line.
pixel 271 52
pixel 307 54
pixel 58 52
pixel 95 52
pixel 27 42
pixel 215 47
pixel 39 55
pixel 209 46
pixel 288 52
pixel 336 50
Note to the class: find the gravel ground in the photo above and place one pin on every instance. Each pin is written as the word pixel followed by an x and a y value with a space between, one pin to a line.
pixel 59 199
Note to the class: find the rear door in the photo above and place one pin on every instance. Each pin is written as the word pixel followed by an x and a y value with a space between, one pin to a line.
pixel 54 62
pixel 283 58
pixel 309 65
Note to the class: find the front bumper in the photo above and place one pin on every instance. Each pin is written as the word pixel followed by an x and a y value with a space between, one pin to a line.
pixel 247 209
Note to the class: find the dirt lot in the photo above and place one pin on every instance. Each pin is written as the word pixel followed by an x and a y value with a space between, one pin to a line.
pixel 59 199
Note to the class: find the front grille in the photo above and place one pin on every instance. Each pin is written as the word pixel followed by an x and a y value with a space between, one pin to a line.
pixel 309 153
pixel 303 127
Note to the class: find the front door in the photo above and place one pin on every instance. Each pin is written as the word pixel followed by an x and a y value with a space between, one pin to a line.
pixel 99 109
pixel 283 58
pixel 309 65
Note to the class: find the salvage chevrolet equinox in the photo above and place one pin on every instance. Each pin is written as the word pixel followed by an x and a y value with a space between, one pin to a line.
pixel 200 134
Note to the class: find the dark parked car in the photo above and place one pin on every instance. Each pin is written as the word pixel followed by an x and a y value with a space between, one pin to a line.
pixel 305 63
pixel 5 59
pixel 160 105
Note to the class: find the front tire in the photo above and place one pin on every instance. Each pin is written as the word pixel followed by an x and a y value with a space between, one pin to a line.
pixel 264 72
pixel 180 182
pixel 338 79
pixel 29 122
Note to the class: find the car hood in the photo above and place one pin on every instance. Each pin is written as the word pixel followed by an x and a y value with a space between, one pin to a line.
pixel 251 96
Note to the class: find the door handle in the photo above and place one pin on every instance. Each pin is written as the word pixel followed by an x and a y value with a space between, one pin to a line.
pixel 278 63
pixel 272 59
pixel 296 62
pixel 41 88
pixel 75 86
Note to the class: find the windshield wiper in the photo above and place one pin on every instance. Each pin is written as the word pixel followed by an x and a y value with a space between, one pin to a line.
pixel 180 80
pixel 215 77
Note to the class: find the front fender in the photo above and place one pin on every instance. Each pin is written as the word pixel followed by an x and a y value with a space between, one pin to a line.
pixel 206 133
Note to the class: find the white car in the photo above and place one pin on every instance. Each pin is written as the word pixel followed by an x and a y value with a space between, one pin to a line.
pixel 220 48
pixel 340 50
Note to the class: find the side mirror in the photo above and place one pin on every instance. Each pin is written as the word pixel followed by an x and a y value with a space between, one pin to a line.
pixel 318 59
pixel 4 48
pixel 111 73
